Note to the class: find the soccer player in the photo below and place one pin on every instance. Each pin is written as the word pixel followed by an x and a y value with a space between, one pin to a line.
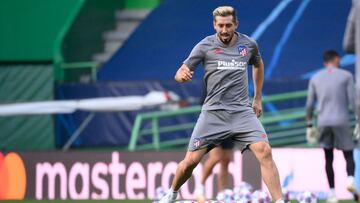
pixel 222 155
pixel 333 89
pixel 227 111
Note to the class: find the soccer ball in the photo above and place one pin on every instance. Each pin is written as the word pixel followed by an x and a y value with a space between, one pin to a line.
pixel 220 196
pixel 243 196
pixel 226 195
pixel 243 186
pixel 243 193
pixel 260 197
pixel 307 197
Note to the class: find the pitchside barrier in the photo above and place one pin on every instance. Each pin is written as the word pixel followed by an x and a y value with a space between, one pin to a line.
pixel 284 127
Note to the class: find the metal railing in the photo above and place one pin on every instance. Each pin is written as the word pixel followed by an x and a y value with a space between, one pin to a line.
pixel 283 127
pixel 58 58
pixel 91 65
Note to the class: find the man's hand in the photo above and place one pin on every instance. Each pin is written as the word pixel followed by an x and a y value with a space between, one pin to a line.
pixel 184 74
pixel 257 107
pixel 311 136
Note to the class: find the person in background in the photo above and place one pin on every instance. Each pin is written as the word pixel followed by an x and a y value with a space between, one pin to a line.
pixel 333 89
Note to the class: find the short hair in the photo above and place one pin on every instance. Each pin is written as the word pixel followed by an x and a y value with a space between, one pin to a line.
pixel 330 55
pixel 225 11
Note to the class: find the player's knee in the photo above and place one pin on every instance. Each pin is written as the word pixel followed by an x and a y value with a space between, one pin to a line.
pixel 225 160
pixel 264 151
pixel 216 159
pixel 224 165
pixel 190 163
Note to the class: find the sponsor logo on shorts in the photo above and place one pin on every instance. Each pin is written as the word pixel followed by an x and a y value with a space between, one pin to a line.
pixel 263 135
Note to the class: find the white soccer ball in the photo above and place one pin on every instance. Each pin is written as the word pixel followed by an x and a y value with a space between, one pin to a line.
pixel 226 195
pixel 307 197
pixel 243 196
pixel 243 186
pixel 260 197
pixel 229 195
pixel 220 196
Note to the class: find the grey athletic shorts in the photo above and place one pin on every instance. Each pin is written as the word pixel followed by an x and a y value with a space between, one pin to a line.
pixel 215 126
pixel 339 137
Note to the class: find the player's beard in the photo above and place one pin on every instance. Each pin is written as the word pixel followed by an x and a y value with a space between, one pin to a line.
pixel 225 37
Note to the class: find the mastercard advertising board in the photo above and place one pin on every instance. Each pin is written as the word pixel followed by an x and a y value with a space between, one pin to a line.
pixel 97 175
pixel 136 175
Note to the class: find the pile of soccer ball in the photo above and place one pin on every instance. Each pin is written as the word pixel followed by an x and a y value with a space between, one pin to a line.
pixel 307 197
pixel 244 193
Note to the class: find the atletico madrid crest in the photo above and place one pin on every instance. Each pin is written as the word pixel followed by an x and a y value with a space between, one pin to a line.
pixel 197 143
pixel 242 50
